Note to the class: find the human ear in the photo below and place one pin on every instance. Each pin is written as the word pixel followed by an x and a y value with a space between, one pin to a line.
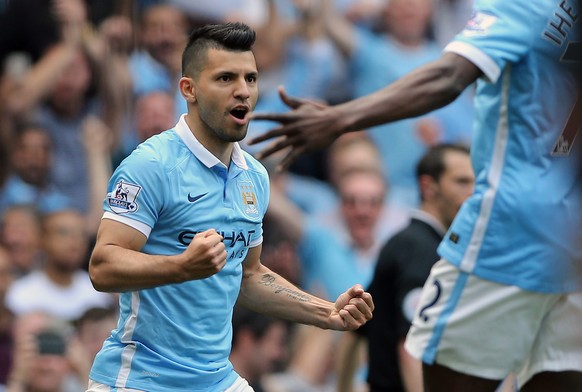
pixel 188 89
pixel 428 186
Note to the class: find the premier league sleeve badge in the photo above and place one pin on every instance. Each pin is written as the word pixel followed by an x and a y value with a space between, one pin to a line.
pixel 122 199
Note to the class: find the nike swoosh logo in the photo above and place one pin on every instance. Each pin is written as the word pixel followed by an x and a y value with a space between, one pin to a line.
pixel 192 199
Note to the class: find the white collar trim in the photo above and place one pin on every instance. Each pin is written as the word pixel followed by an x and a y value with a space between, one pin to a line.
pixel 429 220
pixel 205 156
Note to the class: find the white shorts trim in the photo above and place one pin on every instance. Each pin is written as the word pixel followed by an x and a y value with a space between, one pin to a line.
pixel 488 330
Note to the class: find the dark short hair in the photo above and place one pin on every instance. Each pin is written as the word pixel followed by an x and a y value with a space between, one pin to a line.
pixel 233 36
pixel 433 161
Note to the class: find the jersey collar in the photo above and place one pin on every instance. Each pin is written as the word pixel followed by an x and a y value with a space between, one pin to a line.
pixel 429 220
pixel 200 152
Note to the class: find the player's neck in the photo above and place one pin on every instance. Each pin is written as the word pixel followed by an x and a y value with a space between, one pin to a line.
pixel 434 211
pixel 217 147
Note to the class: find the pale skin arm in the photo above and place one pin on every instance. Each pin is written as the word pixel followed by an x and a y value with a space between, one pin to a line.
pixel 117 264
pixel 410 369
pixel 266 292
pixel 348 360
pixel 42 77
pixel 39 80
pixel 96 140
pixel 338 28
pixel 309 127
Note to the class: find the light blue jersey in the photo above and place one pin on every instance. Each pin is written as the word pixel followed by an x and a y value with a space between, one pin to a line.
pixel 522 225
pixel 178 337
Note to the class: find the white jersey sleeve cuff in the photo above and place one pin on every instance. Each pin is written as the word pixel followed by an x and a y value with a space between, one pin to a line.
pixel 256 242
pixel 477 57
pixel 139 226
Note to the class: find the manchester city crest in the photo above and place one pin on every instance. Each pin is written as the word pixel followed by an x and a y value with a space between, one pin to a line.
pixel 122 198
pixel 249 199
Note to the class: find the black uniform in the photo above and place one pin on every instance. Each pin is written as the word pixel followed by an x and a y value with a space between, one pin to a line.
pixel 403 266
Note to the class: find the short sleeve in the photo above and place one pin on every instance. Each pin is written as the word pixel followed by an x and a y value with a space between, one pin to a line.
pixel 135 191
pixel 499 33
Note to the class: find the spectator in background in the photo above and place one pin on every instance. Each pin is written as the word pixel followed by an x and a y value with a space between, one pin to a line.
pixel 41 361
pixel 445 180
pixel 335 249
pixel 156 65
pixel 341 244
pixel 320 198
pixel 96 140
pixel 20 234
pixel 71 82
pixel 295 51
pixel 252 12
pixel 259 345
pixel 376 60
pixel 153 113
pixel 94 326
pixel 31 182
pixel 61 287
pixel 91 330
pixel 279 252
pixel 357 153
pixel 354 151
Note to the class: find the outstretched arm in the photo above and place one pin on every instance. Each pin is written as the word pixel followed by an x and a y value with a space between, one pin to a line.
pixel 266 292
pixel 308 127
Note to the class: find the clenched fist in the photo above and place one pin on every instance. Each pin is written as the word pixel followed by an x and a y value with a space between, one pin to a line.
pixel 204 257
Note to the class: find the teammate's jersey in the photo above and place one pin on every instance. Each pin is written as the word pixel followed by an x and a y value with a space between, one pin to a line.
pixel 522 225
pixel 178 337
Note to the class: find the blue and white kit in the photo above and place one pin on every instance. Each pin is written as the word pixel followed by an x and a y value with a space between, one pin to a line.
pixel 522 226
pixel 177 337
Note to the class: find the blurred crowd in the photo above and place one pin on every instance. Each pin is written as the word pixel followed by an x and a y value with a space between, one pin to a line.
pixel 83 82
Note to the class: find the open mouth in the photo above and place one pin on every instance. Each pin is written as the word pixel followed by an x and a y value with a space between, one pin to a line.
pixel 239 113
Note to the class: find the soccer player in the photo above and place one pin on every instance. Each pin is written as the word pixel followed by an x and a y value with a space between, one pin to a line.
pixel 184 240
pixel 506 295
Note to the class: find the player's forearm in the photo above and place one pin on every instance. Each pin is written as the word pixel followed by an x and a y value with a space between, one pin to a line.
pixel 116 269
pixel 266 292
pixel 428 88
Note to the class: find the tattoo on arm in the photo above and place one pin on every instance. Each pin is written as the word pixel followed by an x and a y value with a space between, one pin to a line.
pixel 268 280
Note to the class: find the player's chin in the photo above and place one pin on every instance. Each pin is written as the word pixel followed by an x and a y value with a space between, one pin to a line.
pixel 242 131
pixel 235 135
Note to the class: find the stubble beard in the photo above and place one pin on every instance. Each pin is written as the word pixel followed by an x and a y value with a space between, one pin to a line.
pixel 222 132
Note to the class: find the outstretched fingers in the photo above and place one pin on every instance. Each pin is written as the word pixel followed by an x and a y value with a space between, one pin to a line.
pixel 288 100
pixel 278 145
pixel 294 102
pixel 271 134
